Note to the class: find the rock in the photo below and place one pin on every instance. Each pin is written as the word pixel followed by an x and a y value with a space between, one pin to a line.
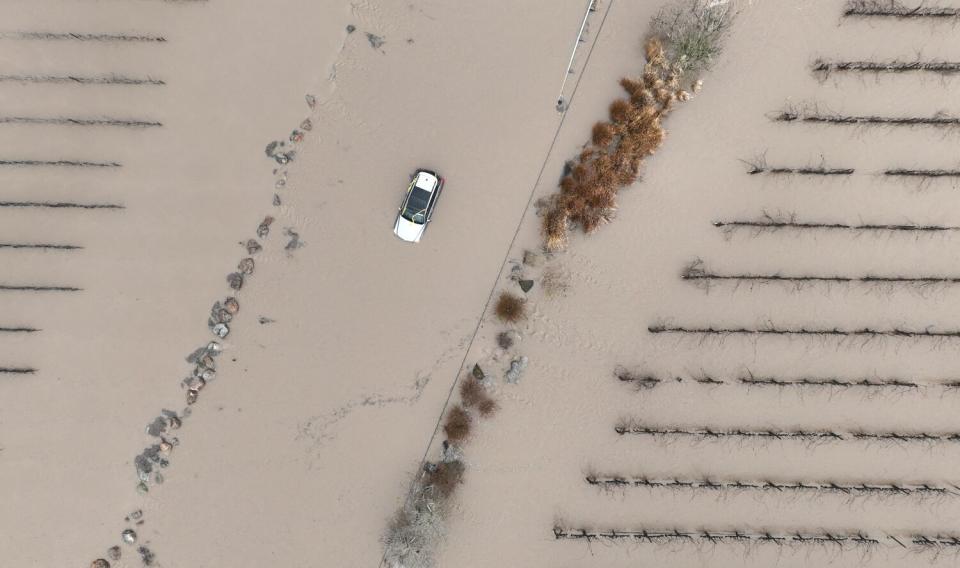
pixel 516 272
pixel 246 266
pixel 295 241
pixel 296 136
pixel 285 157
pixel 306 125
pixel 137 515
pixel 142 488
pixel 218 314
pixel 166 447
pixel 253 247
pixel 99 563
pixel 174 422
pixel 525 285
pixel 264 228
pixel 196 355
pixel 113 553
pixel 505 340
pixel 311 101
pixel 351 28
pixel 147 555
pixel 214 348
pixel 158 478
pixel 235 280
pixel 477 372
pixel 128 536
pixel 157 427
pixel 192 396
pixel 517 366
pixel 207 362
pixel 276 202
pixel 271 149
pixel 265 320
pixel 532 259
pixel 221 330
pixel 280 183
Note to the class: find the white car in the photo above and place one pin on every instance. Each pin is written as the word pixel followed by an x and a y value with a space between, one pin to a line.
pixel 418 205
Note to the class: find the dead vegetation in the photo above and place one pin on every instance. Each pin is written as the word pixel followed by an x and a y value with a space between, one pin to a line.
pixel 769 222
pixel 510 308
pixel 848 488
pixel 458 424
pixel 612 159
pixel 895 9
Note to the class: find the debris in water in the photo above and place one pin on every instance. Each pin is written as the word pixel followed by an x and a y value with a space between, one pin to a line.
pixel 253 247
pixel 246 266
pixel 517 367
pixel 128 536
pixel 271 149
pixel 376 41
pixel 235 280
pixel 295 241
pixel 525 285
pixel 146 555
pixel 113 553
pixel 264 229
pixel 532 259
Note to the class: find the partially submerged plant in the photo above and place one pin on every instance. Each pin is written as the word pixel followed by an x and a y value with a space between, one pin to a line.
pixel 414 533
pixel 693 31
pixel 444 477
pixel 457 425
pixel 510 307
pixel 612 159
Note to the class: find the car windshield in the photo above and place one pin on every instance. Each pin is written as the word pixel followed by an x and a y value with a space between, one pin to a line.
pixel 416 209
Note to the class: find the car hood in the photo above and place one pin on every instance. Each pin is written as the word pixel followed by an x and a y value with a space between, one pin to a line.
pixel 408 231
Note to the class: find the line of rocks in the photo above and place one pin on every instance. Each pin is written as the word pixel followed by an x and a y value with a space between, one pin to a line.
pixel 156 456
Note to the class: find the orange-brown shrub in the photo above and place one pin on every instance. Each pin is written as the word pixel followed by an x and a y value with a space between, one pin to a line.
pixel 612 160
pixel 457 425
pixel 509 307
pixel 602 134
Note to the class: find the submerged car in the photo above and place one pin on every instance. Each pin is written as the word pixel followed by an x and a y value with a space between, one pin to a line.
pixel 418 205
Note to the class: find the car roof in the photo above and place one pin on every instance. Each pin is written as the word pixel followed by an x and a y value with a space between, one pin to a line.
pixel 426 181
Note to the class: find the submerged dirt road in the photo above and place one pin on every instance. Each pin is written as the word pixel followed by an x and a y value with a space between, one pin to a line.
pixel 338 363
